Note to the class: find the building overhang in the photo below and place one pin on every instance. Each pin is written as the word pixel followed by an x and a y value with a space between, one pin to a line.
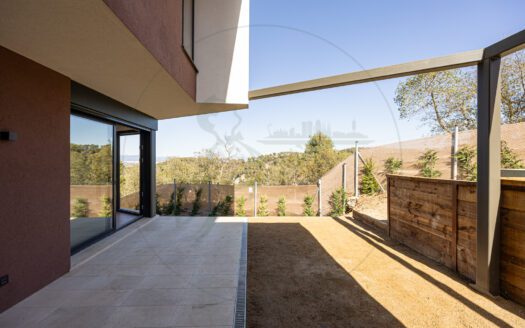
pixel 87 42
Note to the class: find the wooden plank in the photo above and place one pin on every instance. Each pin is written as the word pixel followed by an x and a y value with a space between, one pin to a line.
pixel 513 200
pixel 423 219
pixel 454 249
pixel 467 193
pixel 462 59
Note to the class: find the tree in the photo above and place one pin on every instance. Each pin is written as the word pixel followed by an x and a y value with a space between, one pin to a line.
pixel 443 100
pixel 513 87
pixel 320 156
pixel 338 202
pixel 369 184
pixel 308 206
pixel 80 208
pixel 223 207
pixel 281 206
pixel 393 165
pixel 466 157
pixel 509 159
pixel 196 202
pixel 449 98
pixel 262 208
pixel 106 210
pixel 427 163
pixel 241 210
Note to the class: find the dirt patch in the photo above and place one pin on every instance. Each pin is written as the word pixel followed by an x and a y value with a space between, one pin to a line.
pixel 323 272
pixel 373 205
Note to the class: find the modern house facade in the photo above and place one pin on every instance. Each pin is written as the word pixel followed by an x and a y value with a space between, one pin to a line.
pixel 82 87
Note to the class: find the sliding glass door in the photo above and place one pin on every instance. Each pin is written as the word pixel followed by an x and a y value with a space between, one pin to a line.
pixel 91 169
pixel 106 181
pixel 129 168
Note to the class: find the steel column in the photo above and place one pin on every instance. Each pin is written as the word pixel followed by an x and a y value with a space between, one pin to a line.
pixel 489 176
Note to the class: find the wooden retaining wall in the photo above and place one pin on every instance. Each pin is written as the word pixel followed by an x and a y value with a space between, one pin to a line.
pixel 437 218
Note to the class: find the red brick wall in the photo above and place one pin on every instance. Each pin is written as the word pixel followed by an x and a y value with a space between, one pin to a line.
pixel 34 176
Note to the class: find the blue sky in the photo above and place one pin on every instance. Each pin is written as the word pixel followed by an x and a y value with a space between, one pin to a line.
pixel 294 40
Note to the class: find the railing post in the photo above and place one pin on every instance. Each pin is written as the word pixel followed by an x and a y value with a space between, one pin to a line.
pixel 453 154
pixel 209 197
pixel 174 195
pixel 255 198
pixel 319 197
pixel 356 170
pixel 344 186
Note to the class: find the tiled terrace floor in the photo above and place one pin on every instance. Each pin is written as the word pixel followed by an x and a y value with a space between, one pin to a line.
pixel 161 272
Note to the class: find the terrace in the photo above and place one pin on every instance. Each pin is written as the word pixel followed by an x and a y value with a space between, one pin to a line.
pixel 450 252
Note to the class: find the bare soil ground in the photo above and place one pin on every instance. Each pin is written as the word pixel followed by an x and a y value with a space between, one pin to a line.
pixel 374 206
pixel 324 272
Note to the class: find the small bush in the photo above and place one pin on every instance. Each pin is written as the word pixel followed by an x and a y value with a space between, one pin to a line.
pixel 466 157
pixel 80 208
pixel 158 206
pixel 106 210
pixel 197 202
pixel 509 159
pixel 308 206
pixel 262 208
pixel 281 207
pixel 241 210
pixel 393 165
pixel 427 164
pixel 177 209
pixel 369 185
pixel 223 208
pixel 338 202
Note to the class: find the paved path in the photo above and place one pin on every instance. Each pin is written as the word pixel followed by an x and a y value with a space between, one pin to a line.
pixel 164 272
pixel 324 272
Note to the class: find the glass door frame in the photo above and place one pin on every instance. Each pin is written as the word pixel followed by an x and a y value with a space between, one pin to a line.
pixel 89 114
pixel 140 211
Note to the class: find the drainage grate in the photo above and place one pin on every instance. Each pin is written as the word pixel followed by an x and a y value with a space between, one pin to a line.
pixel 240 304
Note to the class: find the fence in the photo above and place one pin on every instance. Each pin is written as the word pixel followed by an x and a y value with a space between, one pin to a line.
pixel 437 218
pixel 294 196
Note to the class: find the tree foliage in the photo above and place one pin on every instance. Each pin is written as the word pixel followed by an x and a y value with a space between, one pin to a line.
pixel 447 99
pixel 466 157
pixel 241 209
pixel 286 168
pixel 80 208
pixel 393 165
pixel 427 164
pixel 308 205
pixel 262 207
pixel 338 202
pixel 281 206
pixel 369 184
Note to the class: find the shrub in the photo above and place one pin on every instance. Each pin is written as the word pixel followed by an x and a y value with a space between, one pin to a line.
pixel 338 202
pixel 241 210
pixel 177 209
pixel 308 206
pixel 427 163
pixel 369 184
pixel 167 208
pixel 158 206
pixel 80 207
pixel 262 208
pixel 223 208
pixel 393 165
pixel 197 202
pixel 509 159
pixel 106 210
pixel 466 157
pixel 281 206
